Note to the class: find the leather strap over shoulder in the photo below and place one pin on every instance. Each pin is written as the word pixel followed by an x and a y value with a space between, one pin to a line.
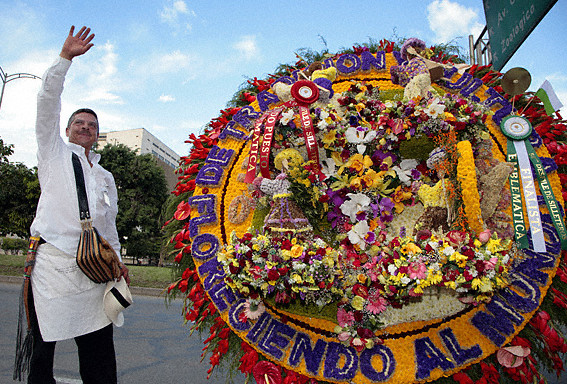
pixel 81 189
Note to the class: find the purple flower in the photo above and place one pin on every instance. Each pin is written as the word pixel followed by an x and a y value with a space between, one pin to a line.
pixel 415 174
pixel 386 205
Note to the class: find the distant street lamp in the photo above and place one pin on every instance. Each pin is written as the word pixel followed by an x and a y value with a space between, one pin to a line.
pixel 7 78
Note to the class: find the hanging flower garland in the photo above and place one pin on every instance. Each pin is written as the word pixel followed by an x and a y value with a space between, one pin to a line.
pixel 391 208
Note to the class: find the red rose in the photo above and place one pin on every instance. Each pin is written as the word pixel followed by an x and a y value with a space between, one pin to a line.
pixel 456 237
pixel 273 275
pixel 360 290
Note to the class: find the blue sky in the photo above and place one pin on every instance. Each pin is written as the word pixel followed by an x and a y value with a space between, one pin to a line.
pixel 170 65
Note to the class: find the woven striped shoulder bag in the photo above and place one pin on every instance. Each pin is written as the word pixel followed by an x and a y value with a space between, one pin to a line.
pixel 95 257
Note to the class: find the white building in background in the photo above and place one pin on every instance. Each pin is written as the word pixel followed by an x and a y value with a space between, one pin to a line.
pixel 142 141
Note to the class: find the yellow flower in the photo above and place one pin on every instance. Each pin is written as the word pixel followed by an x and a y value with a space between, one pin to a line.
pixel 410 248
pixel 329 138
pixel 493 245
pixel 466 174
pixel 309 279
pixel 451 284
pixel 359 163
pixel 296 251
pixel 362 278
pixel 475 283
pixel 222 257
pixel 459 258
pixel 286 254
pixel 449 117
pixel 357 303
pixel 398 197
pixel 371 178
pixel 297 278
pixel 356 183
pixel 434 277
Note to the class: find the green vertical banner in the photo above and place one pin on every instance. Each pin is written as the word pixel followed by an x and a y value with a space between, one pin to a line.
pixel 509 23
pixel 520 152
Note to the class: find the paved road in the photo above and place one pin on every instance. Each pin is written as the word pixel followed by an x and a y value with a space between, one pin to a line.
pixel 152 347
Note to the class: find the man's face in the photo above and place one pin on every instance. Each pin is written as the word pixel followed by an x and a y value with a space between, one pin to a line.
pixel 83 130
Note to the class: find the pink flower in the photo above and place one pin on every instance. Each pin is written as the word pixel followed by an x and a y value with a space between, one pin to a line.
pixel 490 264
pixel 512 357
pixel 344 318
pixel 358 344
pixel 377 303
pixel 344 336
pixel 417 270
pixel 253 311
pixel 484 236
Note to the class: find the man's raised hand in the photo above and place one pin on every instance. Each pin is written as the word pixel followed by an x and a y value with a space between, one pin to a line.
pixel 76 45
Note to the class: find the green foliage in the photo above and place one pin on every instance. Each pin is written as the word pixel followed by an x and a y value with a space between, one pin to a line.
pixel 5 151
pixel 14 245
pixel 18 196
pixel 142 191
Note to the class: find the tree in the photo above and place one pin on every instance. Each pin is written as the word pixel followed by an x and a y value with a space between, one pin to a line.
pixel 5 151
pixel 18 196
pixel 142 190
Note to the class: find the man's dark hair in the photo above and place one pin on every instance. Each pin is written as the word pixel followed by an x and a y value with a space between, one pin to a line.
pixel 83 110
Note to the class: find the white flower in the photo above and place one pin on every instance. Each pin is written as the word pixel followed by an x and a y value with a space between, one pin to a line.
pixel 434 109
pixel 392 269
pixel 322 124
pixel 328 167
pixel 405 280
pixel 404 170
pixel 360 136
pixel 287 116
pixel 358 232
pixel 320 242
pixel 389 104
pixel 357 202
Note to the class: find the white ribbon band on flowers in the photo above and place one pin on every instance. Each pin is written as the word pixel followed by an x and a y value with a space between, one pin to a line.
pixel 530 197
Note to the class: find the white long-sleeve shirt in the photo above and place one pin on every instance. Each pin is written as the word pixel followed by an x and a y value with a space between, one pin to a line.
pixel 67 303
pixel 57 216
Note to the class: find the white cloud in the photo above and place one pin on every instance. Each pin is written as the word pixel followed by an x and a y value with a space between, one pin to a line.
pixel 166 98
pixel 101 76
pixel 171 62
pixel 247 47
pixel 177 15
pixel 449 19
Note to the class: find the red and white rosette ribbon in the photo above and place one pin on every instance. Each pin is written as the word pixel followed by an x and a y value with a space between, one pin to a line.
pixel 305 92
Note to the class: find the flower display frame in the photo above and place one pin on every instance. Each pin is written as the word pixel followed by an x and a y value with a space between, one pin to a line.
pixel 304 344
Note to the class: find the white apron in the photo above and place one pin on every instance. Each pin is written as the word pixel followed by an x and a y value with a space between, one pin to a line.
pixel 67 303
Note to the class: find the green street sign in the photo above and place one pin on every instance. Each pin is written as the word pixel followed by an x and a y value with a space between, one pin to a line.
pixel 509 23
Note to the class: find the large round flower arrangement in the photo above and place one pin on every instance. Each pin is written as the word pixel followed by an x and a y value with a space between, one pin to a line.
pixel 358 220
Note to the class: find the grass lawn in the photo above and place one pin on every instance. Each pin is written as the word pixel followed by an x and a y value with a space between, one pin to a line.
pixel 140 276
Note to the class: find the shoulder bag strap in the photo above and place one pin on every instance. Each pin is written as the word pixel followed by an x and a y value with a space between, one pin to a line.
pixel 81 189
